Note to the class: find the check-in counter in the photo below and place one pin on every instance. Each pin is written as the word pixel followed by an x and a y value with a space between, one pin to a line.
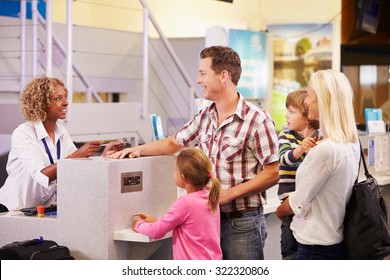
pixel 96 200
pixel 377 154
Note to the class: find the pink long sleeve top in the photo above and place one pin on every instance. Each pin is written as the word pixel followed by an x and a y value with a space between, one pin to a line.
pixel 196 229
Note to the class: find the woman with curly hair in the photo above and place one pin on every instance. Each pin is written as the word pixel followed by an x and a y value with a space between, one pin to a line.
pixel 38 144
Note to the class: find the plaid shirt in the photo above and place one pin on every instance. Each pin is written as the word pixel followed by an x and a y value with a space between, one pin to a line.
pixel 238 149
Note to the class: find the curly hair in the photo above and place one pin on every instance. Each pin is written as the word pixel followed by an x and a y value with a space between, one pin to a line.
pixel 36 98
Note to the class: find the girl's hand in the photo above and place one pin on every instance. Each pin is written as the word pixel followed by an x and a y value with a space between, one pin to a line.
pixel 134 220
pixel 145 217
pixel 142 217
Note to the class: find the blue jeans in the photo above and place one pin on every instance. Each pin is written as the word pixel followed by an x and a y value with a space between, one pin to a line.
pixel 243 238
pixel 288 244
pixel 318 252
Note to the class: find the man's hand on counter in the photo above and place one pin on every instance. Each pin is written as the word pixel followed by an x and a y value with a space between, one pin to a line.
pixel 128 152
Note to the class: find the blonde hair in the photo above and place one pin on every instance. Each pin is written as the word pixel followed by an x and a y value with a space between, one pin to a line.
pixel 196 167
pixel 296 99
pixel 36 98
pixel 335 105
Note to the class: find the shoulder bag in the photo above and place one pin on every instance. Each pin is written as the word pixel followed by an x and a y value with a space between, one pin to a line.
pixel 366 232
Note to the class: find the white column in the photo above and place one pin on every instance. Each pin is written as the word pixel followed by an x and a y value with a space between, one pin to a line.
pixel 49 39
pixel 34 10
pixel 22 44
pixel 69 43
pixel 145 70
pixel 34 56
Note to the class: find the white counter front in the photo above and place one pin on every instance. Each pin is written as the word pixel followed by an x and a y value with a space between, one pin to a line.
pixel 94 208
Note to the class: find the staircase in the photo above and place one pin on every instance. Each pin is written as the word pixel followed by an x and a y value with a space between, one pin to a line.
pixel 107 65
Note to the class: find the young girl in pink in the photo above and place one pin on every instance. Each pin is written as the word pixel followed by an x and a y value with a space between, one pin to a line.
pixel 193 217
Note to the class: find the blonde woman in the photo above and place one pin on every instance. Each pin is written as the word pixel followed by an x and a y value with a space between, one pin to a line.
pixel 325 178
pixel 194 217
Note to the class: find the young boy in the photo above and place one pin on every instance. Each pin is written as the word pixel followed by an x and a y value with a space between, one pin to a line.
pixel 294 142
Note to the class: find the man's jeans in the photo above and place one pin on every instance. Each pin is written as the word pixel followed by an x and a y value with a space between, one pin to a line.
pixel 243 238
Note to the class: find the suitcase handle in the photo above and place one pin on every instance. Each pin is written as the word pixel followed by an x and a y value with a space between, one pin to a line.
pixel 33 242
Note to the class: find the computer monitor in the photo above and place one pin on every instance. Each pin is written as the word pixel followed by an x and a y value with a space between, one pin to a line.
pixel 368 13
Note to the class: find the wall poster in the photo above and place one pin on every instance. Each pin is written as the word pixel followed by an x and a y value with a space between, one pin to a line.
pixel 298 50
pixel 251 46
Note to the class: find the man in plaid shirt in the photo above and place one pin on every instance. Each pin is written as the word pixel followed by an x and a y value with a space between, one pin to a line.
pixel 240 140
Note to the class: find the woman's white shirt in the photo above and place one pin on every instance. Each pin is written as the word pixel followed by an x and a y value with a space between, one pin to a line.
pixel 26 185
pixel 324 183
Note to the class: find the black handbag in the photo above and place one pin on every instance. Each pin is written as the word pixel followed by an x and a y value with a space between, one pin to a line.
pixel 366 232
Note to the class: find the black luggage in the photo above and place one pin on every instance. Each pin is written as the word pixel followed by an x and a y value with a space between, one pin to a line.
pixel 35 249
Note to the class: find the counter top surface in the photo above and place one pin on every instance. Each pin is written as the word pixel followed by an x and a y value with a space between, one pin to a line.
pixel 131 235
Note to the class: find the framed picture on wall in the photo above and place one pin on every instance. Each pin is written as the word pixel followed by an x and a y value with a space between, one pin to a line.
pixel 298 51
pixel 252 48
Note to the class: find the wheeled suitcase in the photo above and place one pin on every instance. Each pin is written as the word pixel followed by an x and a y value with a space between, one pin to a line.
pixel 35 249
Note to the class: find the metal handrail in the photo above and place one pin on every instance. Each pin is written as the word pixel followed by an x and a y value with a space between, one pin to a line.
pixel 61 48
pixel 171 52
pixel 148 16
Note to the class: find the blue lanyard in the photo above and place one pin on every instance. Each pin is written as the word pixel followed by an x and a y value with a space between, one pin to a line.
pixel 48 151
